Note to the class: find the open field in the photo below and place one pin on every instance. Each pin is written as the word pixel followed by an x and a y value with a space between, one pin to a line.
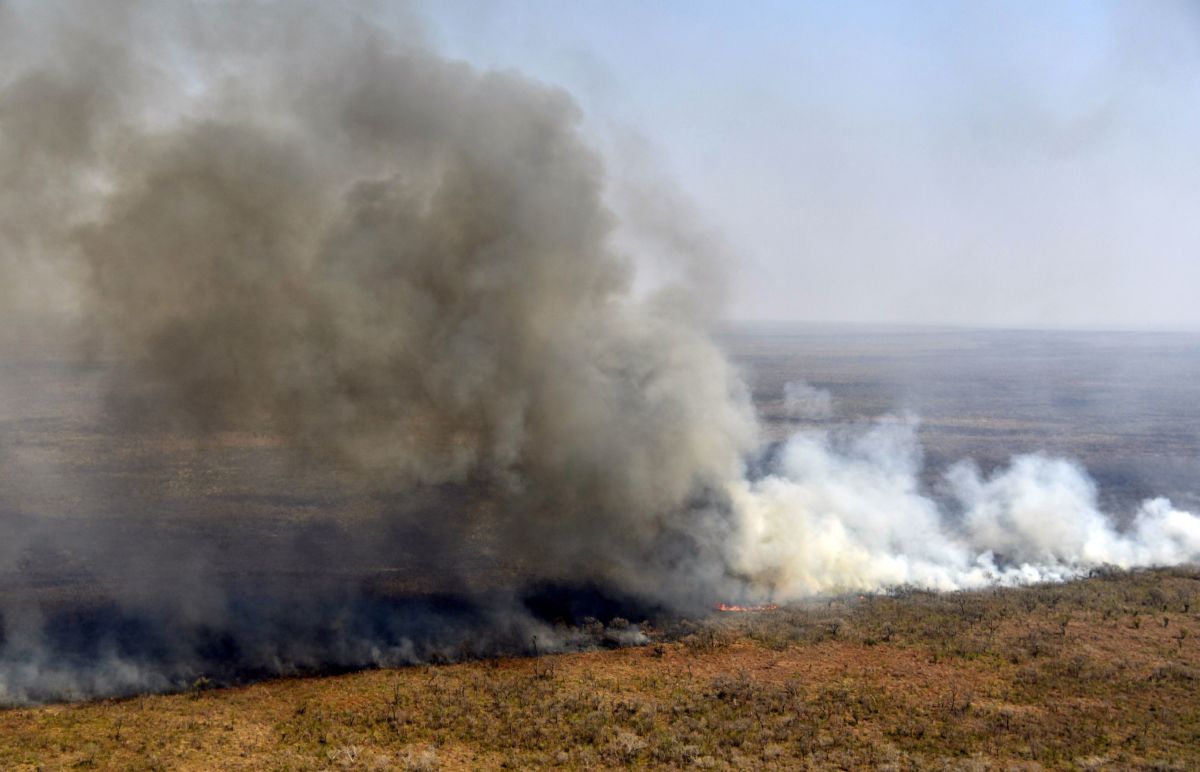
pixel 97 504
pixel 1122 403
pixel 1101 673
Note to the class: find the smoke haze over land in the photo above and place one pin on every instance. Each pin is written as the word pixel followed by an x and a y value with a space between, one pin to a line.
pixel 280 228
pixel 389 260
pixel 840 513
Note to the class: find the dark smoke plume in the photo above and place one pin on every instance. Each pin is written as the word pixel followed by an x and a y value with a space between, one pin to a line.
pixel 384 258
pixel 283 222
pixel 357 377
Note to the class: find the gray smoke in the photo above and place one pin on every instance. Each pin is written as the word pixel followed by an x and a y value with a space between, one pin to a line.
pixel 386 259
pixel 320 269
pixel 279 226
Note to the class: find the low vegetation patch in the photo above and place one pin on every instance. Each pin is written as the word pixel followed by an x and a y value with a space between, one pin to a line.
pixel 1099 673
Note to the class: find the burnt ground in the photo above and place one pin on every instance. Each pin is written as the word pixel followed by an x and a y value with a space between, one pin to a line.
pixel 1095 674
pixel 99 502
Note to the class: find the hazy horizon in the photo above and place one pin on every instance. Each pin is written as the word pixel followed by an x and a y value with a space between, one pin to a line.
pixel 323 349
pixel 963 164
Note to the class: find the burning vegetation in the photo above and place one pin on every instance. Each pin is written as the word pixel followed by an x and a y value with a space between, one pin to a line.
pixel 735 607
pixel 1098 673
pixel 345 369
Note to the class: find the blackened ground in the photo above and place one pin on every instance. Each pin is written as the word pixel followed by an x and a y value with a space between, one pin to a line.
pixel 133 557
pixel 79 647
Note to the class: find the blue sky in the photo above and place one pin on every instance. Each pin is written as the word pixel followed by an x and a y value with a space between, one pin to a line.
pixel 1010 164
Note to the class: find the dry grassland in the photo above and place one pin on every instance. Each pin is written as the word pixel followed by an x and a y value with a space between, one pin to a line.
pixel 1101 673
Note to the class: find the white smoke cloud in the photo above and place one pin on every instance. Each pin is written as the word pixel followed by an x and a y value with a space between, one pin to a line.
pixel 836 515
pixel 804 401
pixel 404 270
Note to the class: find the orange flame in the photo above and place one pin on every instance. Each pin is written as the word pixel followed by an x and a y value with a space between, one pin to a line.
pixel 734 607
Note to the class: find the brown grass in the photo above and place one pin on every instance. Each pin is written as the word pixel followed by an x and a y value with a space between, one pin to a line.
pixel 1102 673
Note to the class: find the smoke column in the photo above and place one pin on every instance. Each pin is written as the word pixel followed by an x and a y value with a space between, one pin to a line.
pixel 391 261
pixel 286 223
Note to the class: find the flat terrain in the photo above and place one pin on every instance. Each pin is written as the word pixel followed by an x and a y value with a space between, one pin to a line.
pixel 1122 403
pixel 98 502
pixel 1096 674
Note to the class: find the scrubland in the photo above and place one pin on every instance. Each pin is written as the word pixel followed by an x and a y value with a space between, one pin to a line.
pixel 1097 673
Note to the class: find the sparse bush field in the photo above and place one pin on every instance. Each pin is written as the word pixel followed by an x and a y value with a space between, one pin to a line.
pixel 1100 673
